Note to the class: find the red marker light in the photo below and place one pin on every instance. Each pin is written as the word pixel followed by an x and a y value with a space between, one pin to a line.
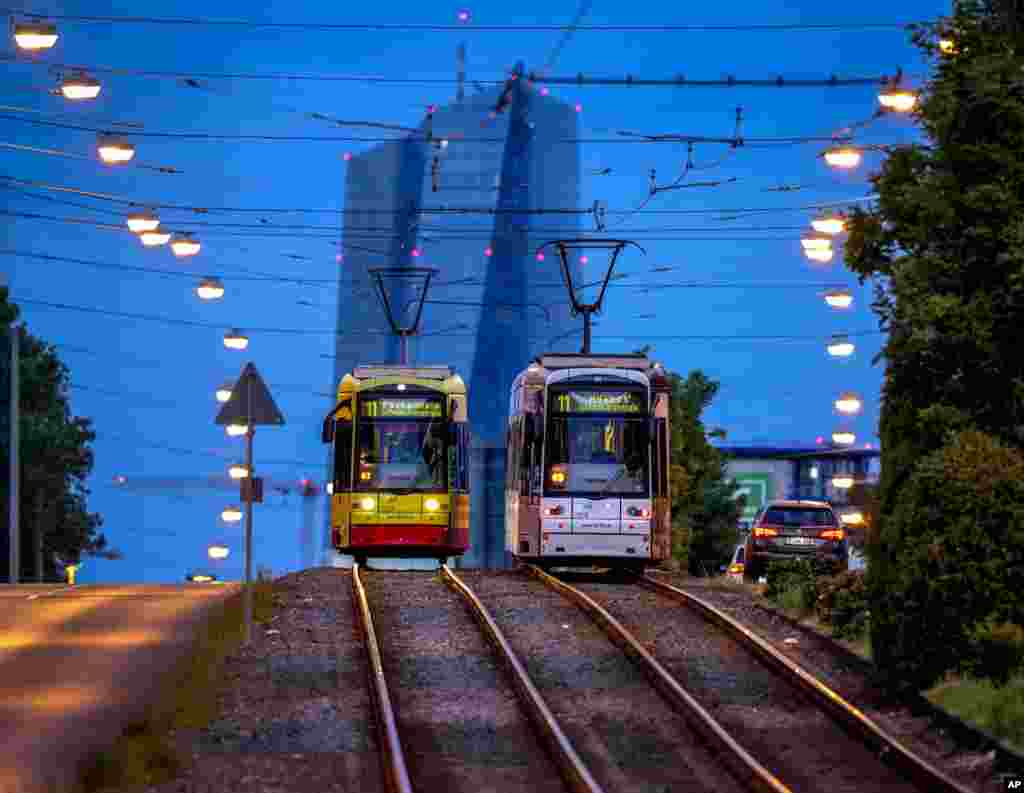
pixel 415 252
pixel 819 440
pixel 338 258
pixel 544 91
pixel 540 257
pixel 463 15
pixel 488 252
pixel 348 156
pixel 579 108
pixel 584 260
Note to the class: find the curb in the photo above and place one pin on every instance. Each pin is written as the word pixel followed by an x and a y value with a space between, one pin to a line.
pixel 964 734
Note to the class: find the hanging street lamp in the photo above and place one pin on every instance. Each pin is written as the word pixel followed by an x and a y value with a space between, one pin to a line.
pixel 843 157
pixel 840 347
pixel 843 438
pixel 114 150
pixel 152 239
pixel 139 222
pixel 236 430
pixel 210 288
pixel 234 339
pixel 238 471
pixel 848 403
pixel 830 223
pixel 839 298
pixel 35 36
pixel 80 86
pixel 231 514
pixel 185 245
pixel 224 392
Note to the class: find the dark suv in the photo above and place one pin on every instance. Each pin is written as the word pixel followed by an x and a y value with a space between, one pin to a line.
pixel 786 530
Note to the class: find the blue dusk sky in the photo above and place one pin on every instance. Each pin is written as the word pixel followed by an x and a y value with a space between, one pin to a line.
pixel 149 385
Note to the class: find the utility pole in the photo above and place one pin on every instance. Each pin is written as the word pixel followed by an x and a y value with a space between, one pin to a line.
pixel 14 515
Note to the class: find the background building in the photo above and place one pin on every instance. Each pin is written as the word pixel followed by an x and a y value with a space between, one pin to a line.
pixel 493 313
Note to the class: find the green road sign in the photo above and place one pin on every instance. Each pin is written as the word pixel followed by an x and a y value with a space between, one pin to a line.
pixel 758 490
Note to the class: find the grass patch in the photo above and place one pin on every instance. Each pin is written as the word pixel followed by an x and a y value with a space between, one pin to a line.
pixel 144 754
pixel 998 710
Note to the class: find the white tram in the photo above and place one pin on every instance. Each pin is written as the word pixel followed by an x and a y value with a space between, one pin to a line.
pixel 587 467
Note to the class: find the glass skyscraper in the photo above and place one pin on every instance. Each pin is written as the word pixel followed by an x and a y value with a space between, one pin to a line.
pixel 466 200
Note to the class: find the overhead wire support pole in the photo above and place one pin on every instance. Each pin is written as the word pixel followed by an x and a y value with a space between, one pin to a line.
pixel 577 307
pixel 250 431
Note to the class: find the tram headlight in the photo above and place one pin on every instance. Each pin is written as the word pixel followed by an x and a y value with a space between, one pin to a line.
pixel 432 505
pixel 366 476
pixel 367 504
pixel 558 477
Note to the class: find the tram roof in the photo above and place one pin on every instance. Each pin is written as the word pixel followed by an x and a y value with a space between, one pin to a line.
pixel 375 371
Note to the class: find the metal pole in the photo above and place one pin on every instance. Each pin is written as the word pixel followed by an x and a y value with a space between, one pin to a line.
pixel 15 467
pixel 404 348
pixel 586 333
pixel 248 533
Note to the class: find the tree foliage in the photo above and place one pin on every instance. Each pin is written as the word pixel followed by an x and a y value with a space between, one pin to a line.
pixel 705 510
pixel 945 245
pixel 55 459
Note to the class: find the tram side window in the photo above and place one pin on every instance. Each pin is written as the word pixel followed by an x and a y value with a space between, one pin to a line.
pixel 461 479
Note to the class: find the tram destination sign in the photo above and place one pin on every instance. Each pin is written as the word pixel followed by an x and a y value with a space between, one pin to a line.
pixel 401 408
pixel 600 402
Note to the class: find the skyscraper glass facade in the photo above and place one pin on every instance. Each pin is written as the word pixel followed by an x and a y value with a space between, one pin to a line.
pixel 485 315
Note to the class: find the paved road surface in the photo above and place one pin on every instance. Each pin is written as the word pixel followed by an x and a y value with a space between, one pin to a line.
pixel 77 663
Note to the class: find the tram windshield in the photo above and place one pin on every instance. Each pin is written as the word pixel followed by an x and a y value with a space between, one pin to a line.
pixel 400 445
pixel 597 443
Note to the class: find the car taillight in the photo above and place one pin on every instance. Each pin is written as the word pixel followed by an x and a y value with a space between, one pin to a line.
pixel 549 511
pixel 832 534
pixel 765 531
pixel 736 568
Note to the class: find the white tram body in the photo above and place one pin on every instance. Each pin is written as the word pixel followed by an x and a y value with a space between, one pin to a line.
pixel 587 465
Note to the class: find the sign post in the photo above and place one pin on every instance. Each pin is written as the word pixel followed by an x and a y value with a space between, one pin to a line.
pixel 250 404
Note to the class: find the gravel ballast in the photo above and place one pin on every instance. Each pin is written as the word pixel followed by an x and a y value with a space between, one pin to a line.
pixel 459 720
pixel 819 656
pixel 631 740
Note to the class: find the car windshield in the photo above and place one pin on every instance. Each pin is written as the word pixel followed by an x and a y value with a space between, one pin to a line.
pixel 598 454
pixel 399 453
pixel 798 516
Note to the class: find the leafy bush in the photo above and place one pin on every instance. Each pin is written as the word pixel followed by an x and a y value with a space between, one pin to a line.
pixel 953 577
pixel 843 603
pixel 794 583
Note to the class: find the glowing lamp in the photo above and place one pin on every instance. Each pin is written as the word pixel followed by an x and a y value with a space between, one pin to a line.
pixel 822 256
pixel 852 518
pixel 540 256
pixel 829 224
pixel 140 222
pixel 488 251
pixel 80 86
pixel 235 430
pixel 114 150
pixel 238 471
pixel 330 488
pixel 210 288
pixel 897 99
pixel 231 514
pixel 201 578
pixel 843 437
pixel 234 339
pixel 35 35
pixel 152 239
pixel 218 552
pixel 367 504
pixel 544 91
pixel 843 157
pixel 947 46
pixel 415 253
pixel 579 108
pixel 184 245
pixel 840 347
pixel 224 392
pixel 432 505
pixel 839 298
pixel 848 403
pixel 584 260
pixel 347 156
pixel 463 15
pixel 842 481
pixel 816 242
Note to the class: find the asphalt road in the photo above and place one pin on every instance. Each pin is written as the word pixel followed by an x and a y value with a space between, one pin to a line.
pixel 77 663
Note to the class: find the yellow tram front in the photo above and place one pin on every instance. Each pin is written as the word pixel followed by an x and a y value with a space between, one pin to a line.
pixel 401 463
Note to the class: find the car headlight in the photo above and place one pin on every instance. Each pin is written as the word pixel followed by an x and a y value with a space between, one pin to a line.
pixel 432 505
pixel 367 504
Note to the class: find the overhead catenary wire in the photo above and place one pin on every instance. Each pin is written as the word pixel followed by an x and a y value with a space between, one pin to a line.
pixel 440 210
pixel 319 331
pixel 268 138
pixel 461 28
pixel 77 156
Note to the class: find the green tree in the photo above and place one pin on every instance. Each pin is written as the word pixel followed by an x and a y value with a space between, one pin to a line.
pixel 55 460
pixel 945 245
pixel 705 510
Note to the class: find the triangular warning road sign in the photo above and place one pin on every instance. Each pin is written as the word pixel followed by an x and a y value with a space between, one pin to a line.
pixel 250 402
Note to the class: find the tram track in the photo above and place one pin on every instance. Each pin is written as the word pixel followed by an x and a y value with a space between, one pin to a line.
pixel 455 722
pixel 779 714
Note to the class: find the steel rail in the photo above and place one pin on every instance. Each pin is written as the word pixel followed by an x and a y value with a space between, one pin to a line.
pixel 574 772
pixel 747 769
pixel 854 721
pixel 396 776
